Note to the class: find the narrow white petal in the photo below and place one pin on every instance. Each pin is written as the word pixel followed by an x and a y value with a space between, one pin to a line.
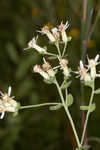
pixel 2 115
pixel 97 57
pixel 81 64
pixel 26 48
pixel 9 90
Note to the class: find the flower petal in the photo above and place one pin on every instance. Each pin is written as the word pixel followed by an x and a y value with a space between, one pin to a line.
pixel 9 90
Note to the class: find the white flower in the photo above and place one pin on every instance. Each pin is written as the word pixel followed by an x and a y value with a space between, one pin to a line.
pixel 46 71
pixel 62 27
pixel 55 33
pixel 45 30
pixel 47 68
pixel 33 44
pixel 39 70
pixel 64 66
pixel 7 103
pixel 92 63
pixel 83 73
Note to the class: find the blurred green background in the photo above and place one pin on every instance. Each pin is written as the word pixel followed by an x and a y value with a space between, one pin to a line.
pixel 41 129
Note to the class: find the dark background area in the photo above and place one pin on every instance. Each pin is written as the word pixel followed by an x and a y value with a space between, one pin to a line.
pixel 41 129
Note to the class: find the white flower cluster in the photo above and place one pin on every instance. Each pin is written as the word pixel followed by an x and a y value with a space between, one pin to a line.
pixel 88 74
pixel 7 103
pixel 46 71
pixel 64 67
pixel 56 34
pixel 33 44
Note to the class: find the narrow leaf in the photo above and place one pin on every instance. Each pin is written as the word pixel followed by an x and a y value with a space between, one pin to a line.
pixel 90 84
pixel 69 100
pixel 97 91
pixel 65 84
pixel 52 57
pixel 84 108
pixel 92 107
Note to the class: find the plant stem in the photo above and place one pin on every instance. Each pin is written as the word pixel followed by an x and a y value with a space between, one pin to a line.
pixel 64 50
pixel 87 5
pixel 87 115
pixel 68 113
pixel 38 105
pixel 58 49
pixel 47 53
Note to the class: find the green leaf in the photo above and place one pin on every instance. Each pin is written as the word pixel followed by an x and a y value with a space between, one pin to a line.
pixel 15 113
pixel 56 71
pixel 84 108
pixel 52 57
pixel 12 52
pixel 65 84
pixel 90 84
pixel 50 81
pixel 97 91
pixel 69 100
pixel 24 65
pixel 56 107
pixel 92 107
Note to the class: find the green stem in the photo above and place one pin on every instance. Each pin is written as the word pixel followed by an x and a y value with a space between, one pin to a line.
pixel 87 115
pixel 68 114
pixel 58 49
pixel 64 50
pixel 38 105
pixel 47 53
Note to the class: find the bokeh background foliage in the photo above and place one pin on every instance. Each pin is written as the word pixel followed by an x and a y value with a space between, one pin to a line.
pixel 40 128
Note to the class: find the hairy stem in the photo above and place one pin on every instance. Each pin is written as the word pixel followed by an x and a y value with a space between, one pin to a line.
pixel 38 105
pixel 64 50
pixel 58 49
pixel 68 113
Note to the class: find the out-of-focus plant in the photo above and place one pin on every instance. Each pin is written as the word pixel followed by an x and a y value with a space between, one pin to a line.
pixel 57 37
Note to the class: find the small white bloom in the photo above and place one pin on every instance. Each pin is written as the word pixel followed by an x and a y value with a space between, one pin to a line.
pixel 83 73
pixel 45 30
pixel 33 44
pixel 39 70
pixel 7 103
pixel 55 33
pixel 92 63
pixel 47 68
pixel 62 27
pixel 64 66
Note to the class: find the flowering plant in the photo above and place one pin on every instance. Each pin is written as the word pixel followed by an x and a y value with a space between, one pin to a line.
pixel 87 74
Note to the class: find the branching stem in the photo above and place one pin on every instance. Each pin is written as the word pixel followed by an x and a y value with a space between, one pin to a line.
pixel 87 115
pixel 38 105
pixel 68 113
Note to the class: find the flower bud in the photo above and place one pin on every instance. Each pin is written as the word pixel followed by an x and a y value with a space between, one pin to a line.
pixel 32 44
pixel 45 30
pixel 63 64
pixel 56 33
pixel 62 29
pixel 47 67
pixel 39 70
pixel 7 103
pixel 92 66
pixel 83 73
